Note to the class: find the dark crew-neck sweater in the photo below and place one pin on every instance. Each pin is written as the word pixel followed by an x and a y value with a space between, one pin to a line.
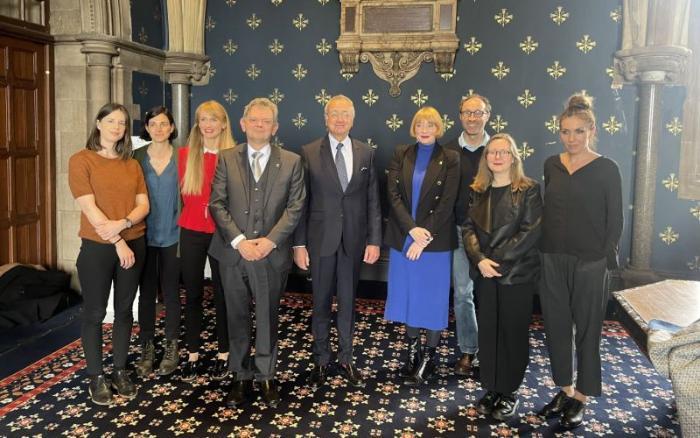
pixel 582 211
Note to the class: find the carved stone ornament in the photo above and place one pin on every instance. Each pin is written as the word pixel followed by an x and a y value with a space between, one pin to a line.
pixel 186 68
pixel 666 65
pixel 397 36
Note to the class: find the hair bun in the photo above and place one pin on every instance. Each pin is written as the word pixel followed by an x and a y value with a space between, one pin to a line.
pixel 580 101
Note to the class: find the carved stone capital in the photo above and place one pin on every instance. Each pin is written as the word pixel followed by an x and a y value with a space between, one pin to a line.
pixel 653 64
pixel 396 67
pixel 186 68
pixel 99 53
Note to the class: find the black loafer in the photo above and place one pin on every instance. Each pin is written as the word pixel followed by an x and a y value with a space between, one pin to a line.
pixel 350 373
pixel 318 375
pixel 240 394
pixel 219 370
pixel 555 407
pixel 487 402
pixel 190 370
pixel 269 392
pixel 573 414
pixel 506 407
pixel 99 390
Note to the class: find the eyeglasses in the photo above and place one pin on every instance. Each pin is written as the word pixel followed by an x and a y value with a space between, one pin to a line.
pixel 477 113
pixel 499 153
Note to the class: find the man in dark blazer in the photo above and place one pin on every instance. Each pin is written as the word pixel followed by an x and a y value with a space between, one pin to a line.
pixel 341 229
pixel 474 112
pixel 256 201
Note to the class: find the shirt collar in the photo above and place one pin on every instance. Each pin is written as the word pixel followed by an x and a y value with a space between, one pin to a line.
pixel 470 148
pixel 334 143
pixel 265 150
pixel 210 151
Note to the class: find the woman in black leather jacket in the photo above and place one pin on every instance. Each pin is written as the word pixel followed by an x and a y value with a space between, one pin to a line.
pixel 501 234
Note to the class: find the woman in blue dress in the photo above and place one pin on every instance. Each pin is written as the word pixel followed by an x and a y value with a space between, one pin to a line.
pixel 422 183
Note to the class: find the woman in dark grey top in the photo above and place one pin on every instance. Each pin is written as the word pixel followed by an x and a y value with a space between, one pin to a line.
pixel 581 230
pixel 159 163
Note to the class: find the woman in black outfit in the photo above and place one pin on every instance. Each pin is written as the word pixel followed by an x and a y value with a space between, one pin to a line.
pixel 581 230
pixel 500 234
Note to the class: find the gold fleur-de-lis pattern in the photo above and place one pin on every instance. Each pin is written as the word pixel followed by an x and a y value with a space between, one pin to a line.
pixel 668 236
pixel 526 57
pixel 253 22
pixel 670 182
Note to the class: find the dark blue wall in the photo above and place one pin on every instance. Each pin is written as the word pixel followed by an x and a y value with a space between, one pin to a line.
pixel 239 35
pixel 148 91
pixel 148 21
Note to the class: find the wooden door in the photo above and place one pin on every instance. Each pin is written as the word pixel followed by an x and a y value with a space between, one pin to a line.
pixel 26 165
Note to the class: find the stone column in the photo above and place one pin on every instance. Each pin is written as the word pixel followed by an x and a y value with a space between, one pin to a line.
pixel 181 71
pixel 99 68
pixel 652 56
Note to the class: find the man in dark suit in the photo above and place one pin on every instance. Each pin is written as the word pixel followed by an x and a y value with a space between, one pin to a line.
pixel 341 229
pixel 474 112
pixel 256 201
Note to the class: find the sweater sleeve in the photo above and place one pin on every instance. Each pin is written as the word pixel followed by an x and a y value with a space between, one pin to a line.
pixel 614 216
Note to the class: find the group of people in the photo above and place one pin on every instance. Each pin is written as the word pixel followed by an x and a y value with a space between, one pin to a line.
pixel 463 213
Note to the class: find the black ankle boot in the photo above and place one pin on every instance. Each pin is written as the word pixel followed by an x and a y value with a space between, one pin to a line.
pixel 413 356
pixel 425 368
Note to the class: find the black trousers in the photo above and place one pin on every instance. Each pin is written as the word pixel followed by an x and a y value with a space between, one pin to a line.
pixel 162 268
pixel 259 282
pixel 98 267
pixel 574 296
pixel 338 275
pixel 505 312
pixel 193 255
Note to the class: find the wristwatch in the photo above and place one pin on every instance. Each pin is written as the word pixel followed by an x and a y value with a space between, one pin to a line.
pixel 129 224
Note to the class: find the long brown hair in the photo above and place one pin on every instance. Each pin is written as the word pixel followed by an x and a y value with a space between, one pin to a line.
pixel 123 146
pixel 194 168
pixel 484 177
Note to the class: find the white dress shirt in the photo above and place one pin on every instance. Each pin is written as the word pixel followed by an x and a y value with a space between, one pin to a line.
pixel 346 150
pixel 463 143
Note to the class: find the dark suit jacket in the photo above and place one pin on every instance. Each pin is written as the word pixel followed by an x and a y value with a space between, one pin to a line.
pixel 467 172
pixel 508 235
pixel 330 214
pixel 437 198
pixel 229 203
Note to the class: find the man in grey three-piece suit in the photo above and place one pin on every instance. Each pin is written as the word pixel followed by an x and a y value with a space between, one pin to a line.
pixel 341 228
pixel 256 201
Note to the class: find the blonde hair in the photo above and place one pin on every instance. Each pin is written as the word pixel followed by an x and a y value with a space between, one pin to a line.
pixel 263 102
pixel 193 179
pixel 581 105
pixel 484 177
pixel 430 114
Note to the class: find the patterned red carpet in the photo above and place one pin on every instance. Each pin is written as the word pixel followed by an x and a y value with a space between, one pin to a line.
pixel 49 398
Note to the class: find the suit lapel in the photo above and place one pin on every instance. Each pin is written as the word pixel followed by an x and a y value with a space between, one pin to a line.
pixel 431 173
pixel 273 169
pixel 242 163
pixel 328 163
pixel 356 161
pixel 407 173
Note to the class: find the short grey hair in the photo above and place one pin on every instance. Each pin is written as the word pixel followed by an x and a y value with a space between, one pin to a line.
pixel 263 102
pixel 339 98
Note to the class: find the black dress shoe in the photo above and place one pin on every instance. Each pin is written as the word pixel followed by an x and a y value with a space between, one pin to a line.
pixel 190 370
pixel 240 394
pixel 123 384
pixel 351 374
pixel 487 402
pixel 269 392
pixel 99 390
pixel 573 414
pixel 219 370
pixel 317 377
pixel 506 407
pixel 555 407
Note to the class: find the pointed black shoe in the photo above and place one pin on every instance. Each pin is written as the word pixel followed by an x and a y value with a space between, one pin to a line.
pixel 240 394
pixel 413 357
pixel 318 375
pixel 487 402
pixel 190 370
pixel 269 392
pixel 350 373
pixel 572 416
pixel 219 370
pixel 99 391
pixel 506 407
pixel 123 385
pixel 424 370
pixel 555 407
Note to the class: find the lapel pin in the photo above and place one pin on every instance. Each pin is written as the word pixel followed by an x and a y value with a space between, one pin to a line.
pixel 440 163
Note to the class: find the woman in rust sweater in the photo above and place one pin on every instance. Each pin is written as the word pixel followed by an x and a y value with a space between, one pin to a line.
pixel 111 192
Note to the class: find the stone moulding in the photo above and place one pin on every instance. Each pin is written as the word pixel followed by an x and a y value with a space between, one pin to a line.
pixel 660 64
pixel 397 36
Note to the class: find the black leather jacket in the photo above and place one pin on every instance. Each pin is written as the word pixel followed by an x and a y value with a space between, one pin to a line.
pixel 510 237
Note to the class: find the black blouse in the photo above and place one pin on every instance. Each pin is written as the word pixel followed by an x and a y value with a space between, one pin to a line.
pixel 583 211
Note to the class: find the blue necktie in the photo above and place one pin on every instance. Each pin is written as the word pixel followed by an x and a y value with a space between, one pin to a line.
pixel 340 166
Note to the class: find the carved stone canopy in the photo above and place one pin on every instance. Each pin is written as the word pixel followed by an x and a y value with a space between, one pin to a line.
pixel 397 36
